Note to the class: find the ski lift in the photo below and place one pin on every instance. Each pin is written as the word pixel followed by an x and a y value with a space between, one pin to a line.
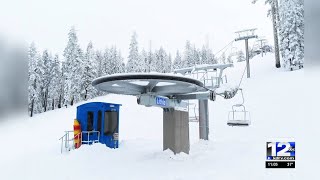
pixel 239 116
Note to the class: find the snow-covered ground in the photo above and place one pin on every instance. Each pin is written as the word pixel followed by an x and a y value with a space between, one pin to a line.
pixel 30 148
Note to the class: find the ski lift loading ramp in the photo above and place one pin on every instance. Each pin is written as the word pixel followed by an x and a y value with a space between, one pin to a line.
pixel 168 92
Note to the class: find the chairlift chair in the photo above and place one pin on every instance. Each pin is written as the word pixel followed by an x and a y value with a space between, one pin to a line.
pixel 239 116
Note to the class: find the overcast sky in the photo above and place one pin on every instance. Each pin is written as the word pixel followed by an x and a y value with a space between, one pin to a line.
pixel 168 23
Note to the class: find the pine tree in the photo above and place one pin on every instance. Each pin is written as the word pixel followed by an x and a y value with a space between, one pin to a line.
pixel 133 58
pixel 240 57
pixel 204 55
pixel 88 74
pixel 98 67
pixel 274 12
pixel 292 32
pixel 177 63
pixel 144 61
pixel 106 64
pixel 55 92
pixel 73 56
pixel 211 57
pixel 32 77
pixel 161 59
pixel 46 78
pixel 113 60
pixel 41 90
pixel 223 58
pixel 188 55
pixel 168 64
pixel 98 63
pixel 229 59
pixel 61 86
pixel 121 65
pixel 78 70
pixel 196 56
pixel 152 62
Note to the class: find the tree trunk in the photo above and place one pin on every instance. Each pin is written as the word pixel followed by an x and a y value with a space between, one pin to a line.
pixel 31 109
pixel 71 103
pixel 52 104
pixel 277 11
pixel 59 103
pixel 275 35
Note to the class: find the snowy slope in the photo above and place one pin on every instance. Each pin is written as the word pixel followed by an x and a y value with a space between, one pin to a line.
pixel 30 148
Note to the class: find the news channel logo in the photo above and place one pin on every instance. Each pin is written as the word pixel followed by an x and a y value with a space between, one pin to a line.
pixel 281 150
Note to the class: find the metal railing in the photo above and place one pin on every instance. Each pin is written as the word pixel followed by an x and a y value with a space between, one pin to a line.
pixel 88 141
pixel 67 140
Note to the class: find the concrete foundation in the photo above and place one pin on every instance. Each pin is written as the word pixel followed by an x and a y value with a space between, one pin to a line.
pixel 176 131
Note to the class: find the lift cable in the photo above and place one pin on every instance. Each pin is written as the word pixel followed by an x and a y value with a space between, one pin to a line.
pixel 231 94
pixel 224 47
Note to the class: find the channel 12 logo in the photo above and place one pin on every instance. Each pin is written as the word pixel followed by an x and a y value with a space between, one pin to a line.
pixel 281 150
pixel 281 154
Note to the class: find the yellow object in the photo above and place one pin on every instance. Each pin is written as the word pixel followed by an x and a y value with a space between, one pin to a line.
pixel 77 133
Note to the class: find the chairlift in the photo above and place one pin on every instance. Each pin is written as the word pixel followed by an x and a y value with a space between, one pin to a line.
pixel 239 116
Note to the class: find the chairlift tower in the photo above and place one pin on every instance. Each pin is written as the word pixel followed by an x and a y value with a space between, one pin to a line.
pixel 246 35
pixel 262 43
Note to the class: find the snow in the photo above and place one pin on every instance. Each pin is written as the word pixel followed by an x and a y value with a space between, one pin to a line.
pixel 30 148
pixel 143 82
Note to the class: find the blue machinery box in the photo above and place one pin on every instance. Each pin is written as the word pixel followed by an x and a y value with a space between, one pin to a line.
pixel 99 123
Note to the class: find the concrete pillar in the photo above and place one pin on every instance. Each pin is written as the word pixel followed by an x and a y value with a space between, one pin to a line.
pixel 176 131
pixel 203 119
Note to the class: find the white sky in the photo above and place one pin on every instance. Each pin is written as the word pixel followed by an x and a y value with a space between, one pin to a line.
pixel 111 22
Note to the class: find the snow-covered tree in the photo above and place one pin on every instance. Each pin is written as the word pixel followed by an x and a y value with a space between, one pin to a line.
pixel 55 88
pixel 98 63
pixel 41 89
pixel 274 12
pixel 73 56
pixel 188 55
pixel 161 59
pixel 240 56
pixel 223 58
pixel 120 63
pixel 88 73
pixel 98 68
pixel 32 77
pixel 113 60
pixel 168 64
pixel 117 61
pixel 133 64
pixel 152 62
pixel 106 64
pixel 211 58
pixel 144 60
pixel 229 59
pixel 78 70
pixel 292 32
pixel 204 55
pixel 196 56
pixel 177 63
pixel 46 79
pixel 63 82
